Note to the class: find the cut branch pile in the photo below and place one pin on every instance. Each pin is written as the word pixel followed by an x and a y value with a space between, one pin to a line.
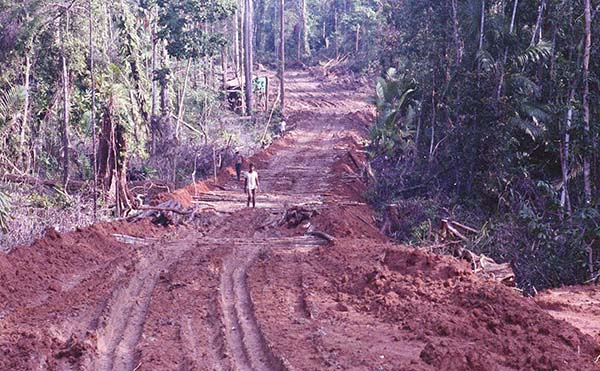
pixel 454 229
pixel 487 267
pixel 296 214
pixel 167 213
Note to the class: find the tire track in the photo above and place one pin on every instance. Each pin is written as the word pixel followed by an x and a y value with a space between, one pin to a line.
pixel 246 343
pixel 122 324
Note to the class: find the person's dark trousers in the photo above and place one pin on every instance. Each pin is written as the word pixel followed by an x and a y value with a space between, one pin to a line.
pixel 238 171
pixel 251 197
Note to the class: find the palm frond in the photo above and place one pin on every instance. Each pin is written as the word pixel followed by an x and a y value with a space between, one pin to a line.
pixel 4 212
pixel 534 54
pixel 522 85
pixel 486 61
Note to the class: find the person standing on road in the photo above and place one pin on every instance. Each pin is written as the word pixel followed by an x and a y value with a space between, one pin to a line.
pixel 251 185
pixel 282 126
pixel 238 164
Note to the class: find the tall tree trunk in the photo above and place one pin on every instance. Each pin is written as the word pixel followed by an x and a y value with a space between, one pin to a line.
pixel 154 41
pixel 433 117
pixel 66 106
pixel 356 39
pixel 248 55
pixel 93 107
pixel 455 26
pixel 586 103
pixel 505 57
pixel 482 25
pixel 181 103
pixel 112 161
pixel 282 55
pixel 335 31
pixel 565 202
pixel 24 152
pixel 224 67
pixel 305 47
pixel 236 43
pixel 538 24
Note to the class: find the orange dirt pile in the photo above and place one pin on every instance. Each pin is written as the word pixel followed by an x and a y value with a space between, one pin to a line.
pixel 364 303
pixel 30 273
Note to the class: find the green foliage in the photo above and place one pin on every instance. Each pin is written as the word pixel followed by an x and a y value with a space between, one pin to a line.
pixel 491 128
pixel 182 26
pixel 395 112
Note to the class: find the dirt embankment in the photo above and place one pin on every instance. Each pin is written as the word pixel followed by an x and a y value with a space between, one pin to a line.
pixel 237 290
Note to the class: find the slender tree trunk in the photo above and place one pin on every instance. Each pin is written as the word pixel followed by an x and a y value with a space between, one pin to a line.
pixel 481 34
pixel 538 24
pixel 505 57
pixel 433 118
pixel 335 31
pixel 455 26
pixel 248 55
pixel 305 47
pixel 93 108
pixel 324 35
pixel 236 43
pixel 24 153
pixel 224 67
pixel 240 36
pixel 299 43
pixel 565 202
pixel 181 104
pixel 282 55
pixel 586 103
pixel 66 107
pixel 482 25
pixel 356 39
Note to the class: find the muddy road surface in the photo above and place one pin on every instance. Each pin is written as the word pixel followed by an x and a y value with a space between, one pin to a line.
pixel 237 289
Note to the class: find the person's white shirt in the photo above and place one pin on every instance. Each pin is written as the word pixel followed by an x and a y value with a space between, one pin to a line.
pixel 283 125
pixel 252 180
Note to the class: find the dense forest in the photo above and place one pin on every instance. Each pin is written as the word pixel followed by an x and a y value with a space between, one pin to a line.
pixel 487 110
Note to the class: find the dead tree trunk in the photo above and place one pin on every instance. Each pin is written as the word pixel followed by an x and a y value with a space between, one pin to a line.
pixel 586 103
pixel 248 55
pixel 112 162
pixel 282 55
pixel 93 108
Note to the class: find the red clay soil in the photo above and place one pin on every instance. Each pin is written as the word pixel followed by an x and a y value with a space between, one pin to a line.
pixel 237 290
pixel 577 305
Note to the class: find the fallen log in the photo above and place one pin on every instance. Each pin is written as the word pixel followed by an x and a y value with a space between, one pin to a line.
pixel 354 160
pixel 464 227
pixel 322 235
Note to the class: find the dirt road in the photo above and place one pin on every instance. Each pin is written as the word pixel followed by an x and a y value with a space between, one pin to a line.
pixel 234 290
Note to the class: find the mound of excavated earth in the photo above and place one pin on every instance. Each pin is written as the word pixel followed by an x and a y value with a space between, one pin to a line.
pixel 303 282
